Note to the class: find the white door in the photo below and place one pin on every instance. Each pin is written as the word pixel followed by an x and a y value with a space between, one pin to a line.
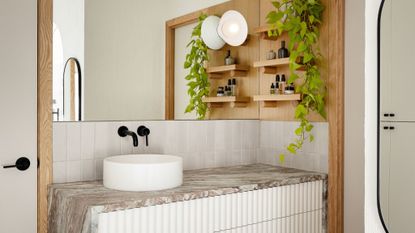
pixel 18 23
pixel 401 56
pixel 401 172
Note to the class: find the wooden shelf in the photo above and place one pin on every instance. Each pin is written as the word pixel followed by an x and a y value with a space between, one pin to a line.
pixel 219 101
pixel 271 100
pixel 263 33
pixel 270 66
pixel 236 70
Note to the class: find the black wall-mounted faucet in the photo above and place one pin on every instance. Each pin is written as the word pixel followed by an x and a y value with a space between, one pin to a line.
pixel 124 132
pixel 143 132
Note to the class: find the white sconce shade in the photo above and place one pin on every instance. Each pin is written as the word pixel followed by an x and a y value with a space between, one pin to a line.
pixel 233 28
pixel 209 33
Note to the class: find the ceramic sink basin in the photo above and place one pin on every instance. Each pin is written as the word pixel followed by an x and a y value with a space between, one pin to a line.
pixel 143 172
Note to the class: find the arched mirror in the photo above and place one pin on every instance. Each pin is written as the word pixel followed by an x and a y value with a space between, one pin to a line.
pixel 396 116
pixel 72 90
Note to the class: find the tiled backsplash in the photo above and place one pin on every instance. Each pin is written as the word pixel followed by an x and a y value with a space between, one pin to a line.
pixel 80 147
pixel 275 135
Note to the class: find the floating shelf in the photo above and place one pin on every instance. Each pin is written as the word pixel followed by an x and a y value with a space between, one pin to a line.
pixel 263 33
pixel 219 101
pixel 270 66
pixel 271 100
pixel 236 70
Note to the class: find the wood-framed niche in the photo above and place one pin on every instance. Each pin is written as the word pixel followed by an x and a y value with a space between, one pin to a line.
pixel 332 48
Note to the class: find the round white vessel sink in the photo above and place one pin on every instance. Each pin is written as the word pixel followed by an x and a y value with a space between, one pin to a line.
pixel 143 172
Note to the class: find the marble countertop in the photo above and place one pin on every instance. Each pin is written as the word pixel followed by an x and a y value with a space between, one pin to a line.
pixel 73 205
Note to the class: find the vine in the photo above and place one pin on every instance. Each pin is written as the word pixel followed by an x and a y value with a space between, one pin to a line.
pixel 301 19
pixel 198 85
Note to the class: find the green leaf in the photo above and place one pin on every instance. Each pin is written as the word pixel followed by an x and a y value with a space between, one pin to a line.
pixel 276 4
pixel 282 158
pixel 311 138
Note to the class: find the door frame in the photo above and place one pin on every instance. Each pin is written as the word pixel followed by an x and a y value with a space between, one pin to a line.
pixel 336 10
pixel 44 109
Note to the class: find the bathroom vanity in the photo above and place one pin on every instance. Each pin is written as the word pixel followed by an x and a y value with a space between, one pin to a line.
pixel 249 198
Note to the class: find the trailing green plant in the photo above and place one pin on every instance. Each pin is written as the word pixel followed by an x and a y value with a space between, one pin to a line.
pixel 198 85
pixel 301 19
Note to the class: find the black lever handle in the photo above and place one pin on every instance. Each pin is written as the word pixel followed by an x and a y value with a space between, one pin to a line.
pixel 143 131
pixel 22 164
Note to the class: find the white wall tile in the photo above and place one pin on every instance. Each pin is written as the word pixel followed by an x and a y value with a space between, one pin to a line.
pixel 107 141
pixel 201 144
pixel 88 170
pixel 59 142
pixel 73 141
pixel 87 140
pixel 59 172
pixel 73 171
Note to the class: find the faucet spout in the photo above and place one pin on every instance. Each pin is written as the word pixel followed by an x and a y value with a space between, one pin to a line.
pixel 124 132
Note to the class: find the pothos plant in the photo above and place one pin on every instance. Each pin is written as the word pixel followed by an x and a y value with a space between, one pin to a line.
pixel 301 19
pixel 198 85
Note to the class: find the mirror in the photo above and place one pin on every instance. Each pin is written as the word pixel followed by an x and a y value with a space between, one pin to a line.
pixel 120 49
pixel 396 116
pixel 67 96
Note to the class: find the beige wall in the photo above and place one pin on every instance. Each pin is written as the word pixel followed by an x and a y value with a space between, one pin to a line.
pixel 354 117
pixel 124 56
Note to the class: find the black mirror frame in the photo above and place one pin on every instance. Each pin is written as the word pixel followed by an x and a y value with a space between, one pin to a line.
pixel 378 115
pixel 78 67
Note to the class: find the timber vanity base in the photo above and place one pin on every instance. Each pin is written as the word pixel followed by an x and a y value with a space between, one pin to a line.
pixel 250 198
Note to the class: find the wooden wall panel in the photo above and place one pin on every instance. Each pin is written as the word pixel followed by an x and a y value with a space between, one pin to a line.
pixel 245 55
pixel 284 111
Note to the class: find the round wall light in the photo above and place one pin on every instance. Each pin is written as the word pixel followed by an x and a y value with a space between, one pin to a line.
pixel 233 28
pixel 209 33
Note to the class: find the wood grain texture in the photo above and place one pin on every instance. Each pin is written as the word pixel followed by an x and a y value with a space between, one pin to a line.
pixel 335 11
pixel 246 54
pixel 72 89
pixel 284 110
pixel 169 79
pixel 44 103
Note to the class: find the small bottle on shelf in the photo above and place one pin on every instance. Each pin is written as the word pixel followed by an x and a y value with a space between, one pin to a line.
pixel 234 88
pixel 271 55
pixel 220 92
pixel 283 52
pixel 282 84
pixel 272 89
pixel 277 88
pixel 229 60
pixel 290 89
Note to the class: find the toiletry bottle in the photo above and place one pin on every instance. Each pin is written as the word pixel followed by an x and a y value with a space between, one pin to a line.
pixel 234 88
pixel 271 55
pixel 283 52
pixel 289 90
pixel 277 88
pixel 229 60
pixel 230 86
pixel 272 89
pixel 277 80
pixel 229 91
pixel 283 84
pixel 220 92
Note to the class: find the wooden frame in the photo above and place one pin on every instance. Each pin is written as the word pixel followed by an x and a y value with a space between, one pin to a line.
pixel 44 108
pixel 336 11
pixel 171 26
pixel 335 102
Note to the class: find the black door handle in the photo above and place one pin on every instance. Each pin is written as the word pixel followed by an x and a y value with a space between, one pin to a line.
pixel 22 164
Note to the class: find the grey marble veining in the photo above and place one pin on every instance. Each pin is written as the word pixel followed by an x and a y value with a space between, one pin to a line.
pixel 72 206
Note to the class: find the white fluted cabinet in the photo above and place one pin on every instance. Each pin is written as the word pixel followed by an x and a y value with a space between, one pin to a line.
pixel 298 208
